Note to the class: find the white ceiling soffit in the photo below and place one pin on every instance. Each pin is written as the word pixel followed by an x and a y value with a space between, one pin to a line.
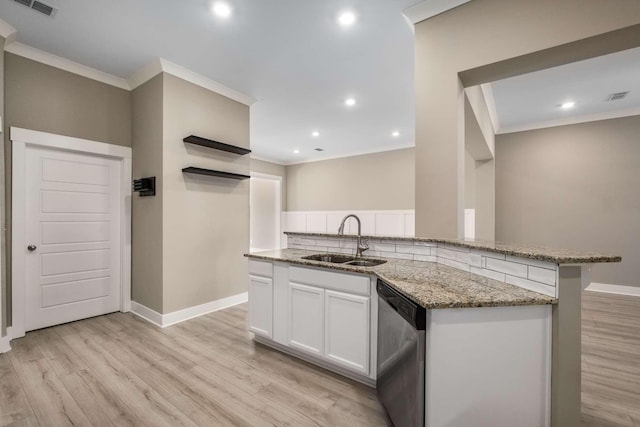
pixel 533 100
pixel 430 8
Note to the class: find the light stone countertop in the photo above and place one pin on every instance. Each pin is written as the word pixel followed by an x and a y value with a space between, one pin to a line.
pixel 429 284
pixel 540 253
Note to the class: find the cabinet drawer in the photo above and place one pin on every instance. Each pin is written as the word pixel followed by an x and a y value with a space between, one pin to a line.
pixel 351 283
pixel 260 268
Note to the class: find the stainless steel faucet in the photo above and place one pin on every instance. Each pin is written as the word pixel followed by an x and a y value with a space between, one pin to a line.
pixel 361 246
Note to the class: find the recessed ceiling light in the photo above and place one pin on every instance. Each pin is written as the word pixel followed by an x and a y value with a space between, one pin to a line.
pixel 395 134
pixel 346 19
pixel 567 105
pixel 350 102
pixel 315 134
pixel 221 9
pixel 296 151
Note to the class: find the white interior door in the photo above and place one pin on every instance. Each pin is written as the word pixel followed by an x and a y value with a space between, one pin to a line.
pixel 73 253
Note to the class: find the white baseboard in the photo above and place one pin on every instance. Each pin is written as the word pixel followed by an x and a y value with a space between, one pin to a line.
pixel 164 320
pixel 5 342
pixel 614 289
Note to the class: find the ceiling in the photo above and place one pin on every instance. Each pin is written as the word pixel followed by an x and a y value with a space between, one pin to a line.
pixel 300 65
pixel 534 100
pixel 292 56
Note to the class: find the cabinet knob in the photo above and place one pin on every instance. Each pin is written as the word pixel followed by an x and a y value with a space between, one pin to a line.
pixel 32 248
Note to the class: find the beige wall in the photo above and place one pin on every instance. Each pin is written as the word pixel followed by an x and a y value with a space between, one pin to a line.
pixel 575 187
pixel 146 220
pixel 47 99
pixel 269 168
pixel 206 219
pixel 371 181
pixel 470 37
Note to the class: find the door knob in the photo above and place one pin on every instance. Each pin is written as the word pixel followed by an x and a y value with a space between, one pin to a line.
pixel 32 248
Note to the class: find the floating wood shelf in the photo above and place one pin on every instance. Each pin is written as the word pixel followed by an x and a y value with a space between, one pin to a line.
pixel 211 172
pixel 204 142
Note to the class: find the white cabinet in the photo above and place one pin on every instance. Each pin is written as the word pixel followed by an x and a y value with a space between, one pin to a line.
pixel 261 298
pixel 347 330
pixel 306 307
pixel 323 316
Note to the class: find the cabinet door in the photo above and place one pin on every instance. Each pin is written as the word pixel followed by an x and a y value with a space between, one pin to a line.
pixel 347 330
pixel 306 310
pixel 261 306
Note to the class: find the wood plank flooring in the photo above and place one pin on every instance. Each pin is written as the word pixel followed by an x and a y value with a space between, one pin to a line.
pixel 610 360
pixel 118 370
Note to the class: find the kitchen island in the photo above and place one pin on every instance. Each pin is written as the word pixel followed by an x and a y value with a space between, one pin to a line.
pixel 503 329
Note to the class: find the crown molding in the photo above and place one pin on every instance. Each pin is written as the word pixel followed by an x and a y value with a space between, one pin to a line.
pixel 571 120
pixel 355 153
pixel 64 64
pixel 205 82
pixel 430 8
pixel 264 159
pixel 145 74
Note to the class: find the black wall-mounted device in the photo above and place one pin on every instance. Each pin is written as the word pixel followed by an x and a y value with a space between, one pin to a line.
pixel 146 186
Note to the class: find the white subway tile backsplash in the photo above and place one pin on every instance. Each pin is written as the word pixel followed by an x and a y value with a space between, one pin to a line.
pixel 475 260
pixel 453 247
pixel 454 264
pixel 386 247
pixel 487 254
pixel 331 243
pixel 543 275
pixel 532 286
pixel 348 244
pixel 433 245
pixel 447 253
pixel 507 267
pixel 488 273
pixel 425 258
pixel 533 262
pixel 462 257
pixel 395 255
pixel 419 250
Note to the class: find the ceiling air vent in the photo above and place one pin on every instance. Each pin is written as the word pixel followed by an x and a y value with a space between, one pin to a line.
pixel 617 96
pixel 319 149
pixel 42 8
pixel 24 2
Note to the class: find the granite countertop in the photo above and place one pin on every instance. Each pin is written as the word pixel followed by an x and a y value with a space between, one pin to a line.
pixel 429 284
pixel 540 253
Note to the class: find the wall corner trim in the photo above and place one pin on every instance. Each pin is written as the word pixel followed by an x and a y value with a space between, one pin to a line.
pixel 614 289
pixel 429 8
pixel 164 320
pixel 7 31
pixel 5 342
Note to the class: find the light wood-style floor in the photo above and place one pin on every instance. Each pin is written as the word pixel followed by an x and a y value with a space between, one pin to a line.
pixel 118 370
pixel 610 360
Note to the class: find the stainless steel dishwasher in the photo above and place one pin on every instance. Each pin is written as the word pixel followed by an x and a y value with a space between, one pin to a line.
pixel 401 357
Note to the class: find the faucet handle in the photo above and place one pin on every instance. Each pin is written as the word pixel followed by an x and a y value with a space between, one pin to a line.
pixel 364 245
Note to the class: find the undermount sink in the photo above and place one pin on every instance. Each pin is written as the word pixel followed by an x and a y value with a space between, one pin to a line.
pixel 366 262
pixel 335 259
pixel 345 259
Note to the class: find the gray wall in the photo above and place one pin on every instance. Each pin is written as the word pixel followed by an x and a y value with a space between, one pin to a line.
pixel 371 181
pixel 205 219
pixel 146 215
pixel 574 187
pixel 481 41
pixel 47 99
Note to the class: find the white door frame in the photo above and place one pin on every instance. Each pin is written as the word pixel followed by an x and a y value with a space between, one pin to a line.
pixel 278 203
pixel 20 139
